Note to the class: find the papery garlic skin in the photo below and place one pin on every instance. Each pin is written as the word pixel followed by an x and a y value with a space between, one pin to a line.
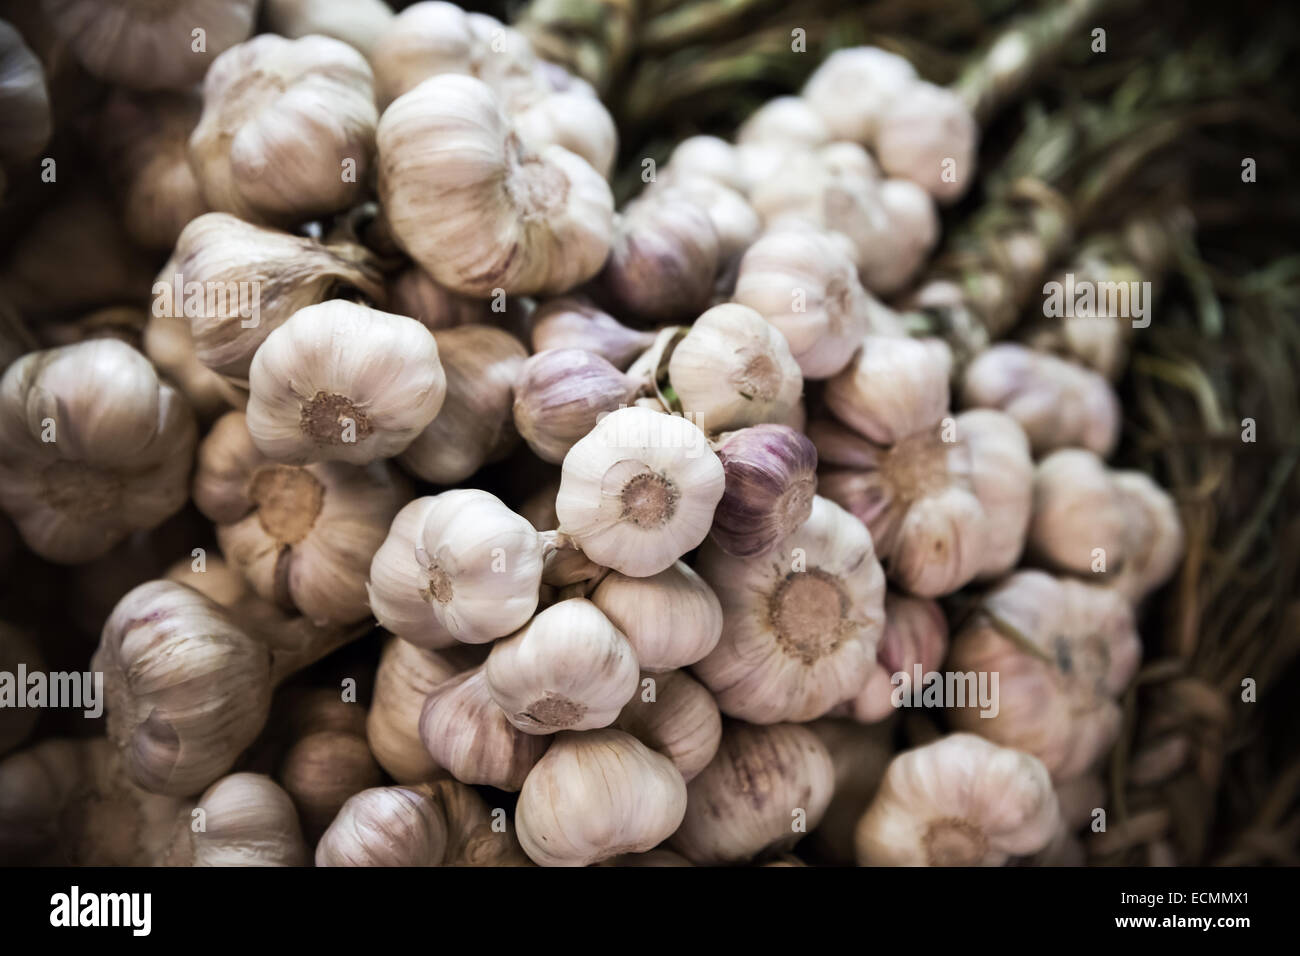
pixel 357 22
pixel 734 369
pixel 1064 652
pixel 459 566
pixel 672 618
pixel 478 208
pixel 188 689
pixel 385 826
pixel 960 801
pixel 288 129
pixel 749 801
pixel 800 625
pixel 598 795
pixel 147 46
pixel 854 88
pixel 249 821
pixel 474 426
pixel 929 136
pixel 639 490
pixel 676 715
pixel 569 668
pixel 1057 403
pixel 573 322
pixel 93 446
pixel 916 634
pixel 341 382
pixel 771 481
pixel 561 394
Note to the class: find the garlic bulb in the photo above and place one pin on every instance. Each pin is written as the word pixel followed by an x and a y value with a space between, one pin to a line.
pixel 561 394
pixel 25 123
pixel 339 381
pixel 169 345
pixel 357 22
pixel 706 157
pixel 474 425
pixel 413 292
pixel 771 480
pixel 230 316
pixel 574 119
pixel 459 566
pixel 478 208
pixel 733 369
pixel 854 88
pixel 804 283
pixel 734 221
pixel 406 676
pixel 598 795
pixel 915 635
pixel 676 715
pixel 911 232
pixel 569 668
pixel 302 535
pixel 672 618
pixel 287 131
pixel 573 322
pixel 639 490
pixel 466 733
pixel 663 260
pixel 1057 403
pixel 799 626
pixel 386 826
pixel 92 448
pixel 1155 541
pixel 1064 651
pixel 248 821
pixel 929 136
pixel 960 801
pixel 188 689
pixel 146 46
pixel 763 791
pixel 785 120
pixel 17 649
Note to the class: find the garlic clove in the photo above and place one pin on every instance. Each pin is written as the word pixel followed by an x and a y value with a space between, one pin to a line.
pixel 676 715
pixel 561 394
pixel 853 88
pixel 573 322
pixel 672 618
pixel 386 826
pixel 771 480
pixel 249 821
pixel 598 795
pixel 639 490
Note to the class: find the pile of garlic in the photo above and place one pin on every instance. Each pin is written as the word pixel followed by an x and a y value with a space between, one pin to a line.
pixel 674 649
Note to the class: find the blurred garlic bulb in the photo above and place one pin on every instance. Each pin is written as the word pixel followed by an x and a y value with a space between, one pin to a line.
pixel 805 284
pixel 248 821
pixel 1155 542
pixel 92 448
pixel 218 252
pixel 17 648
pixel 561 394
pixel 1057 403
pixel 357 22
pixel 214 579
pixel 672 618
pixel 459 566
pixel 676 715
pixel 598 795
pixel 169 345
pixel 406 676
pixel 386 826
pixel 569 668
pixel 960 801
pixel 911 232
pixel 787 121
pixel 853 89
pixel 25 123
pixel 287 131
pixel 478 208
pixel 663 259
pixel 733 369
pixel 771 475
pixel 1064 651
pixel 573 322
pixel 916 634
pixel 146 46
pixel 707 157
pixel 929 136
pixel 474 426
pixel 800 625
pixel 342 382
pixel 187 687
pixel 466 733
pixel 302 535
pixel 763 791
pixel 575 120
pixel 735 224
pixel 639 490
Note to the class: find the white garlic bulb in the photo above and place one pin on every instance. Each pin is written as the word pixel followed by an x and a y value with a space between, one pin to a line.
pixel 785 120
pixel 477 207
pixel 386 826
pixel 639 490
pixel 707 157
pixel 671 618
pixel 598 795
pixel 960 801
pixel 800 625
pixel 288 129
pixel 676 715
pixel 854 88
pixel 357 22
pixel 911 227
pixel 568 668
pixel 459 566
pixel 248 821
pixel 929 136
pixel 339 381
